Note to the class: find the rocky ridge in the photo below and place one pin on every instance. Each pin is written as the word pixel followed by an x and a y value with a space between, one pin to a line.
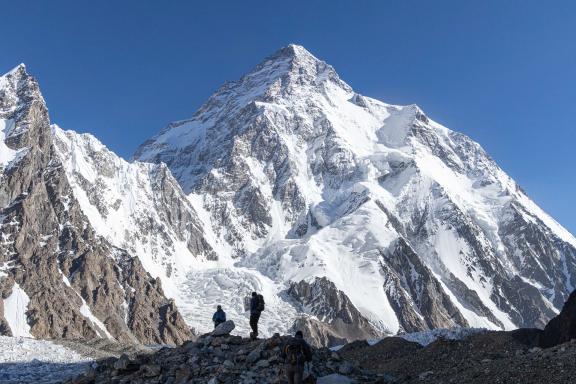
pixel 138 207
pixel 521 356
pixel 480 357
pixel 58 277
pixel 224 359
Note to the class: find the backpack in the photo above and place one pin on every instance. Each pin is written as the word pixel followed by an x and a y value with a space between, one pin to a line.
pixel 294 352
pixel 260 303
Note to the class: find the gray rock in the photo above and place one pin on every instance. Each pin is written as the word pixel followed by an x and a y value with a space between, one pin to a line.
pixel 425 375
pixel 254 356
pixel 334 378
pixel 345 368
pixel 150 370
pixel 224 329
pixel 122 362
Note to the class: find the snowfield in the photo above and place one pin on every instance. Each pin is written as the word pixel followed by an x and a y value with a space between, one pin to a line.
pixel 24 360
pixel 427 337
pixel 15 307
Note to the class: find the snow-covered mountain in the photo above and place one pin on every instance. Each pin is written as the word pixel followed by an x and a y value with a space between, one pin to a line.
pixel 355 218
pixel 326 196
pixel 59 277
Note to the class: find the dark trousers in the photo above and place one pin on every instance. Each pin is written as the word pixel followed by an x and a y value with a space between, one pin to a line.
pixel 294 373
pixel 254 317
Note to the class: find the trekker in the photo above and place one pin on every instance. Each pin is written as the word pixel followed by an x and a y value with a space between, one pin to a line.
pixel 256 308
pixel 295 353
pixel 219 316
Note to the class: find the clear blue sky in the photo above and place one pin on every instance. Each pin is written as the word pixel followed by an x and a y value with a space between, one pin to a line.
pixel 503 72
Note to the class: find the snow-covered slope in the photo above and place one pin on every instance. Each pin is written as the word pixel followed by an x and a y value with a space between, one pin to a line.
pixel 298 178
pixel 137 206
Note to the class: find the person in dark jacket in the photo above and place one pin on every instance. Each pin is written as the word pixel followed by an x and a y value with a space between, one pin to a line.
pixel 255 312
pixel 295 353
pixel 219 316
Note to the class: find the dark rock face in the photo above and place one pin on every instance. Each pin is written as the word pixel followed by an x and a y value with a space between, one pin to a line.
pixel 340 320
pixel 370 356
pixel 562 328
pixel 78 285
pixel 412 287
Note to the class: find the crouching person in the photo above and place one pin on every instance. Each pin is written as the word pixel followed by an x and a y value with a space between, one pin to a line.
pixel 295 353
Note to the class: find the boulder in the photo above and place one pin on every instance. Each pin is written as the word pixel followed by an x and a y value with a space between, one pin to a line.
pixel 254 356
pixel 224 329
pixel 122 362
pixel 150 370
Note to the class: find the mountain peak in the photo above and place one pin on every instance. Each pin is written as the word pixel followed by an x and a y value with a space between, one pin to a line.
pixel 290 68
pixel 293 58
pixel 18 92
pixel 16 79
pixel 20 68
pixel 295 50
pixel 14 75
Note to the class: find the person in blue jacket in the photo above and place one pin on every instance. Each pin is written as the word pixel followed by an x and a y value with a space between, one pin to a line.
pixel 219 316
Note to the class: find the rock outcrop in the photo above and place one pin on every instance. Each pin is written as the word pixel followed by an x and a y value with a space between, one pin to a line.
pixel 492 357
pixel 332 319
pixel 562 328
